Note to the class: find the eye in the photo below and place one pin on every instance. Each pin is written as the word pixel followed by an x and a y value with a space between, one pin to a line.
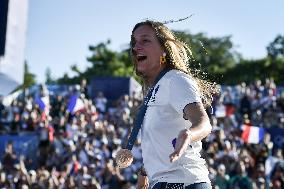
pixel 145 41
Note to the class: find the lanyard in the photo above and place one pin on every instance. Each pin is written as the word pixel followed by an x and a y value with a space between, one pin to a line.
pixel 141 113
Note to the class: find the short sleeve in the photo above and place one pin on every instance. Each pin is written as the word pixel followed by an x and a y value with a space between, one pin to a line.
pixel 183 90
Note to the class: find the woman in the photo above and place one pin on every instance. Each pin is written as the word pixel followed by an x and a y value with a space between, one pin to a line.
pixel 175 121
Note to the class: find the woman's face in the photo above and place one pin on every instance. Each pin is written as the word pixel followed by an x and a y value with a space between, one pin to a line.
pixel 146 51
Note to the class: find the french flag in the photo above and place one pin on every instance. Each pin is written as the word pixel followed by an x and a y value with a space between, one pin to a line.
pixel 75 104
pixel 43 103
pixel 252 134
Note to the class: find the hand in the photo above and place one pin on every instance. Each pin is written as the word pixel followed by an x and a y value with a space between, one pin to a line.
pixel 142 182
pixel 182 142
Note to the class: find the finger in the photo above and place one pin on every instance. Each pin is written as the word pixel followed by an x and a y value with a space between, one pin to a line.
pixel 174 156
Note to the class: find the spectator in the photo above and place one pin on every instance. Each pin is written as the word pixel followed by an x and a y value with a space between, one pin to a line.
pixel 101 102
pixel 56 161
pixel 222 179
pixel 240 179
pixel 9 158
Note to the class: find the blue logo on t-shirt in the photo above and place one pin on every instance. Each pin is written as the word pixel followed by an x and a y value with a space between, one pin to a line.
pixel 153 98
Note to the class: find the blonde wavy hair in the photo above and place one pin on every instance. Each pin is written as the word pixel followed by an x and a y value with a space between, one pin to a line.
pixel 178 56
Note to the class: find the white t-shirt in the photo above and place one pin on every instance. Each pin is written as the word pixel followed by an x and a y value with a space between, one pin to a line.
pixel 162 123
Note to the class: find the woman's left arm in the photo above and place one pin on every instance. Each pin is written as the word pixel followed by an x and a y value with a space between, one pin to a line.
pixel 201 127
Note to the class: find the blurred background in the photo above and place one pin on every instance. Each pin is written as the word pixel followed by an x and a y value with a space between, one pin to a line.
pixel 68 92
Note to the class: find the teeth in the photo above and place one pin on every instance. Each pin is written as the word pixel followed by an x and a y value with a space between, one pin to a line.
pixel 141 57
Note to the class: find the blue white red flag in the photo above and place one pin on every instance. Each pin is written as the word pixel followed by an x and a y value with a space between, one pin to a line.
pixel 252 134
pixel 75 104
pixel 43 103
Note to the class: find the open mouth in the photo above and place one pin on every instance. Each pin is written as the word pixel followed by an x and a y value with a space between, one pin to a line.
pixel 141 58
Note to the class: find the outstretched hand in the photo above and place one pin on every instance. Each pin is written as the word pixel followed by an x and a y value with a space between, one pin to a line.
pixel 182 142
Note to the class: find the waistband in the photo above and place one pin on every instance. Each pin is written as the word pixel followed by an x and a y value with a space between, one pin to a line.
pixel 166 185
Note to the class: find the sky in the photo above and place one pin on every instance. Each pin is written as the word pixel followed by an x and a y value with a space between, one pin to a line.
pixel 59 32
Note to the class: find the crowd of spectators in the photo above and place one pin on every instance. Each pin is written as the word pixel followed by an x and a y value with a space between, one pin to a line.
pixel 76 149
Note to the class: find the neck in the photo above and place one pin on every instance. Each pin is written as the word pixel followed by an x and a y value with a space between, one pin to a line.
pixel 150 79
pixel 149 82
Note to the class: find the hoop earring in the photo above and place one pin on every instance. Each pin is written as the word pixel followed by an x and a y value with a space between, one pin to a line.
pixel 163 58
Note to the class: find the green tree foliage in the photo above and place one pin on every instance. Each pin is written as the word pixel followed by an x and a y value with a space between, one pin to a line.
pixel 215 56
pixel 66 79
pixel 271 66
pixel 211 57
pixel 29 78
pixel 75 69
pixel 104 62
pixel 250 70
pixel 48 77
pixel 276 48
